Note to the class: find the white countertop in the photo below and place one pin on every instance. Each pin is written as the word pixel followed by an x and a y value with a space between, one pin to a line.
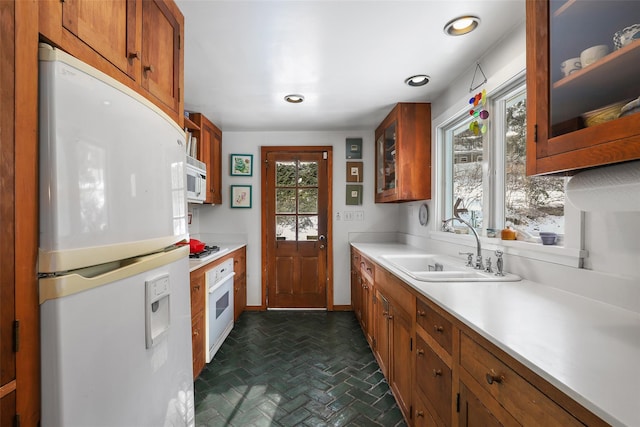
pixel 587 349
pixel 225 248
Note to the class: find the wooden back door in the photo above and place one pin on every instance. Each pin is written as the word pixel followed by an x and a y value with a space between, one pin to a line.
pixel 296 212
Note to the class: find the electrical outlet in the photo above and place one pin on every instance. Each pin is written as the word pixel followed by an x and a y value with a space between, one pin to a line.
pixel 358 216
pixel 348 216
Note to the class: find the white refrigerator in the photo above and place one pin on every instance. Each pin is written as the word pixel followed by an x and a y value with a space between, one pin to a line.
pixel 114 285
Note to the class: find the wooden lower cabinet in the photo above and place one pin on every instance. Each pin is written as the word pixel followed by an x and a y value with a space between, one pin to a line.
pixel 239 282
pixel 198 302
pixel 393 336
pixel 198 327
pixel 474 413
pixel 443 373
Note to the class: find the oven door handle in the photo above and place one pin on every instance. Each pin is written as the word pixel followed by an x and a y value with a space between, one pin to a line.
pixel 213 288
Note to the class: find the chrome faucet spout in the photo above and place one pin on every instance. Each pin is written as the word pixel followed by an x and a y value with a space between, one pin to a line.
pixel 479 265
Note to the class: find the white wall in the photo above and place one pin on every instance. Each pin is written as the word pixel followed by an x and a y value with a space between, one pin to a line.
pixel 217 220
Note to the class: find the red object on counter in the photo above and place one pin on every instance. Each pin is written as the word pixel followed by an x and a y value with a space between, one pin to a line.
pixel 195 246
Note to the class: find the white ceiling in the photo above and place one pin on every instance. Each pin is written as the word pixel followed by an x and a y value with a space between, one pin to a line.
pixel 348 58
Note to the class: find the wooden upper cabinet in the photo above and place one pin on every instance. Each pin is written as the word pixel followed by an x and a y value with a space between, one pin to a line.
pixel 403 154
pixel 161 51
pixel 109 27
pixel 209 138
pixel 559 139
pixel 137 42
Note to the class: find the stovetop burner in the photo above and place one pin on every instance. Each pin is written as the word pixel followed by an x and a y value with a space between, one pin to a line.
pixel 208 250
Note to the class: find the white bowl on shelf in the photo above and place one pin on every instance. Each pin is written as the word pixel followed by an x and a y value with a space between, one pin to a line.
pixel 593 54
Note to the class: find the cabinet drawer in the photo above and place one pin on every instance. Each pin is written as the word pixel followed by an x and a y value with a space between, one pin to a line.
pixel 366 268
pixel 435 325
pixel 434 380
pixel 525 402
pixel 355 259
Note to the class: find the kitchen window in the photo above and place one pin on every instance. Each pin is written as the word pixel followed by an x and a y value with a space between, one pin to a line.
pixel 483 177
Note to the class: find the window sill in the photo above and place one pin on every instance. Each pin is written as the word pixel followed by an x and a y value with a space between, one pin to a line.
pixel 570 257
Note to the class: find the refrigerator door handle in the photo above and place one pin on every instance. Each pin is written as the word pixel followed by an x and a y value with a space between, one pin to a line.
pixel 92 277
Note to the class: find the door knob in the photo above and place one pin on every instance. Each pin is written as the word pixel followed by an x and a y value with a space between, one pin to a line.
pixel 322 238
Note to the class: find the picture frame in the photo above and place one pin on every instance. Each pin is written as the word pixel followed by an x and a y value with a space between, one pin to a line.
pixel 354 195
pixel 354 171
pixel 240 196
pixel 353 148
pixel 241 164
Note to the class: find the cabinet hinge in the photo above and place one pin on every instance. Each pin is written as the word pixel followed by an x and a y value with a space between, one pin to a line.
pixel 411 344
pixel 458 402
pixel 16 419
pixel 179 42
pixel 410 411
pixel 535 133
pixel 325 155
pixel 16 336
pixel 374 343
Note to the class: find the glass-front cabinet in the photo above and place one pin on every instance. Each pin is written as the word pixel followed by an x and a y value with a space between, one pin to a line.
pixel 386 155
pixel 403 154
pixel 583 84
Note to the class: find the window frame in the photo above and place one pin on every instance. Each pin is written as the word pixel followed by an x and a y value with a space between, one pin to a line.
pixel 570 254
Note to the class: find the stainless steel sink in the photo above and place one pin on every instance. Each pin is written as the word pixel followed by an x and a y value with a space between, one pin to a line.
pixel 423 267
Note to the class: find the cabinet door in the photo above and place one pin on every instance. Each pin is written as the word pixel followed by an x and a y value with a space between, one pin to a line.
pixel 210 152
pixel 401 349
pixel 382 333
pixel 161 51
pixel 7 219
pixel 560 135
pixel 240 282
pixel 214 177
pixel 474 414
pixel 356 294
pixel 198 342
pixel 366 307
pixel 108 27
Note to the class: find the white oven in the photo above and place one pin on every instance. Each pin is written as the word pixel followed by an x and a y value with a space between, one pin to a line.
pixel 219 310
pixel 196 180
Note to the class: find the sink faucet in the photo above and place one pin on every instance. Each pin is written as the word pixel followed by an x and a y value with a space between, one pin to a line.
pixel 479 265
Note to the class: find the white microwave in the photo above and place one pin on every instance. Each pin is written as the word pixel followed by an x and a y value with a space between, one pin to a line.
pixel 196 180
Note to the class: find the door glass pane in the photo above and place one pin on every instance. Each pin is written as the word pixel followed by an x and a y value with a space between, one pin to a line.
pixel 285 227
pixel 308 201
pixel 308 174
pixel 286 174
pixel 285 200
pixel 308 227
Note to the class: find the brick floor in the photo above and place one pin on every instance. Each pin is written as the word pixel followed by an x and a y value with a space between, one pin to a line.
pixel 295 368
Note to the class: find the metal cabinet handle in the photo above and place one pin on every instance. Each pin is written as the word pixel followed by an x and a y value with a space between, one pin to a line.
pixel 437 372
pixel 421 313
pixel 438 328
pixel 419 413
pixel 419 352
pixel 134 55
pixel 148 68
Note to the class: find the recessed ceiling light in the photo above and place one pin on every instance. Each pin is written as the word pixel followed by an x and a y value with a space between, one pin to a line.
pixel 461 25
pixel 417 80
pixel 294 99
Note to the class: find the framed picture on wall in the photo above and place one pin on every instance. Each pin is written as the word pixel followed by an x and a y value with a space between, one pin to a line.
pixel 241 164
pixel 354 194
pixel 241 196
pixel 354 171
pixel 353 148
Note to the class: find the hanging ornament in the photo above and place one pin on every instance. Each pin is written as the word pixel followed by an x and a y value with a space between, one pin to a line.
pixel 478 102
